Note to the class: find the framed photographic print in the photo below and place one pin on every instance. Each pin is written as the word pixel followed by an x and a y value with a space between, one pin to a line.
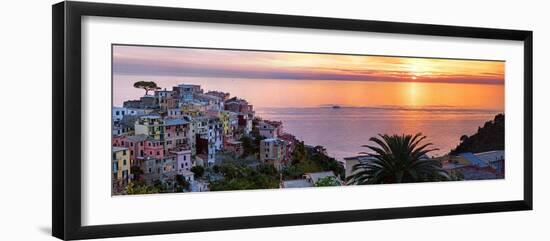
pixel 170 120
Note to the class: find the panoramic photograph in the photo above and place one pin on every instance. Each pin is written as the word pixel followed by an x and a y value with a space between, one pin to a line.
pixel 199 120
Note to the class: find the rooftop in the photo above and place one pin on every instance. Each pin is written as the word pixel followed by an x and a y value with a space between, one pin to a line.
pixel 315 176
pixel 451 165
pixel 233 142
pixel 491 156
pixel 360 158
pixel 270 124
pixel 189 85
pixel 472 173
pixel 181 151
pixel 119 148
pixel 187 173
pixel 135 138
pixel 296 183
pixel 473 159
pixel 275 140
pixel 150 116
pixel 173 122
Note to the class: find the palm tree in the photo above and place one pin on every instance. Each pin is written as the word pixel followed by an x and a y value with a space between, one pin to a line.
pixel 397 159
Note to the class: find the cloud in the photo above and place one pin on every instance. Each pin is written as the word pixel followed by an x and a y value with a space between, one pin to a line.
pixel 154 61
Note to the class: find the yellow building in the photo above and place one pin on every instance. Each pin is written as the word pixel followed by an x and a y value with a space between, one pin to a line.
pixel 224 120
pixel 120 166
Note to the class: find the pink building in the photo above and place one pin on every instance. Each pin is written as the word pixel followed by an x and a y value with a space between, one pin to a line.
pixel 119 141
pixel 154 148
pixel 183 161
pixel 136 145
pixel 175 134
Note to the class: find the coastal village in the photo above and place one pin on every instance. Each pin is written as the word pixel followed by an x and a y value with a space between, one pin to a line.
pixel 190 140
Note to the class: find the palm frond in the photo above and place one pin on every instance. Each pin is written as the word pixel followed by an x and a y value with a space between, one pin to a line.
pixel 397 158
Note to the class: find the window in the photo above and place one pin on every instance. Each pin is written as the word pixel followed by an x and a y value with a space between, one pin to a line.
pixel 131 144
pixel 184 158
pixel 158 153
pixel 124 162
pixel 114 156
pixel 124 152
pixel 116 112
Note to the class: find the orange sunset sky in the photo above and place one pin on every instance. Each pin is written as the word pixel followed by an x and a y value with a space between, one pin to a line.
pixel 356 80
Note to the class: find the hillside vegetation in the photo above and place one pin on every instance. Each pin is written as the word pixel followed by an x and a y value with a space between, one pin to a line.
pixel 487 138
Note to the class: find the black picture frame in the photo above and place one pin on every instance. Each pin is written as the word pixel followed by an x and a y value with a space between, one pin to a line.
pixel 66 75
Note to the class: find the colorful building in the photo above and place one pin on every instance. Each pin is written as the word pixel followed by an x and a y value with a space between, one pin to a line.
pixel 183 160
pixel 158 169
pixel 238 105
pixel 154 148
pixel 270 129
pixel 475 166
pixel 175 134
pixel 208 137
pixel 186 92
pixel 150 125
pixel 234 147
pixel 273 151
pixel 166 99
pixel 120 167
pixel 118 113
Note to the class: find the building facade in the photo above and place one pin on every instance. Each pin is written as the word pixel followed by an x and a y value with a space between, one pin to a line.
pixel 273 151
pixel 120 167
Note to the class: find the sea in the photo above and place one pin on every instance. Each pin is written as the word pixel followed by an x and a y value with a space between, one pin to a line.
pixel 441 111
pixel 343 130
